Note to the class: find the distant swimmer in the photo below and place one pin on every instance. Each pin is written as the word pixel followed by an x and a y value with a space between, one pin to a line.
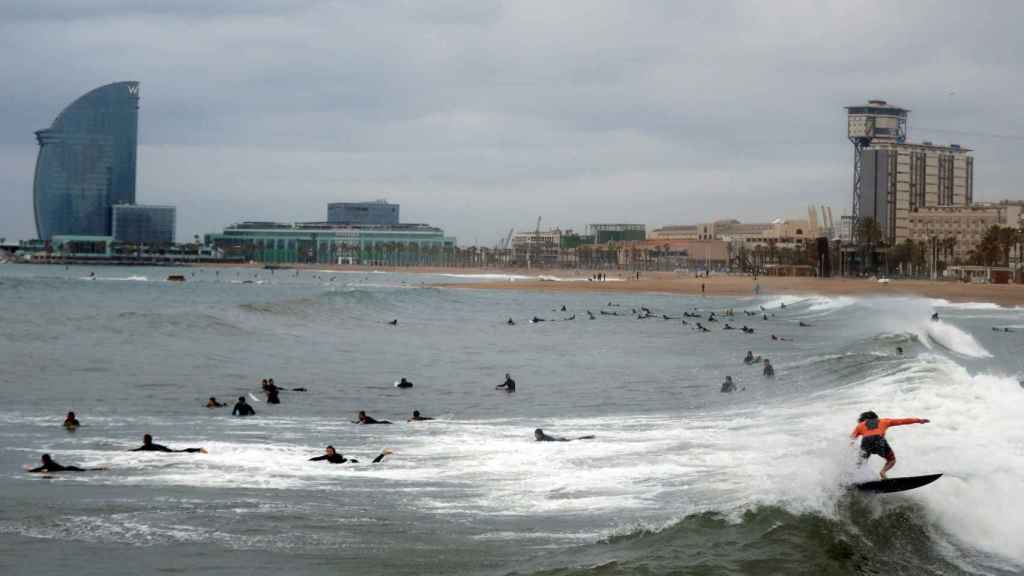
pixel 606 313
pixel 764 317
pixel 49 465
pixel 149 446
pixel 332 456
pixel 899 350
pixel 71 422
pixel 750 358
pixel 935 317
pixel 509 385
pixel 747 330
pixel 242 408
pixel 540 436
pixel 702 328
pixel 768 371
pixel 272 395
pixel 362 418
pixel 403 383
pixel 394 322
pixel 570 318
pixel 563 308
pixel 213 403
pixel 872 430
pixel 728 386
pixel 728 327
pixel 782 306
pixel 781 339
pixel 591 315
pixel 417 418
pixel 511 322
pixel 535 320
pixel 803 324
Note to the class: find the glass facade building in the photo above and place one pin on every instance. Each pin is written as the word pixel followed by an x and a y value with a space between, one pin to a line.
pixel 378 213
pixel 141 224
pixel 325 243
pixel 86 162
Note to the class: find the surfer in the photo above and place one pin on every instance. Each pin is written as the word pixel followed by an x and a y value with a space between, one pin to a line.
pixel 510 321
pixel 332 456
pixel 591 315
pixel 394 322
pixel 49 465
pixel 803 324
pixel 509 385
pixel 149 446
pixel 535 320
pixel 540 436
pixel 417 418
pixel 935 317
pixel 213 403
pixel 70 422
pixel 242 408
pixel 749 358
pixel 899 350
pixel 362 418
pixel 728 386
pixel 872 430
pixel 403 383
pixel 272 395
pixel 768 371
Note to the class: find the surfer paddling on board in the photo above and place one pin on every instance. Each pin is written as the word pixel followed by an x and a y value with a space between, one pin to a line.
pixel 872 430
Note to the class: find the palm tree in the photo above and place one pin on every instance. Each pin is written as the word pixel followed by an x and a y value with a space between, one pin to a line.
pixel 869 233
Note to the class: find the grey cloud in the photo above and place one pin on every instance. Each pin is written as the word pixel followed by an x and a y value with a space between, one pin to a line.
pixel 479 116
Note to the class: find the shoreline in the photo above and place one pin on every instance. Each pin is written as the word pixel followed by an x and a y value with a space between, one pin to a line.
pixel 623 282
pixel 1006 295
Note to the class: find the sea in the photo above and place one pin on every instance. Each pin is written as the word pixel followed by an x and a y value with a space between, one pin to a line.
pixel 679 477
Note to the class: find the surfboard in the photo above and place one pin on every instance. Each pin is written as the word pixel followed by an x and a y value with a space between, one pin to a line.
pixel 254 398
pixel 896 484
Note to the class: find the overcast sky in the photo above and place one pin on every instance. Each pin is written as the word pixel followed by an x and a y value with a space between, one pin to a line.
pixel 480 116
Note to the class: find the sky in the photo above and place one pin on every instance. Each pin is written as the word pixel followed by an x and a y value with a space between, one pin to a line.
pixel 480 116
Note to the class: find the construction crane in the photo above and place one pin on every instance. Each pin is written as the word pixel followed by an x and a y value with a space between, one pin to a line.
pixel 507 241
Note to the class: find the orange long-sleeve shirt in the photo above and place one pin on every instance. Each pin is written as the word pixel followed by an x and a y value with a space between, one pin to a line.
pixel 883 425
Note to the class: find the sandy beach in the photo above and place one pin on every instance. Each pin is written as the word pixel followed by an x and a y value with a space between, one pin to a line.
pixel 1001 294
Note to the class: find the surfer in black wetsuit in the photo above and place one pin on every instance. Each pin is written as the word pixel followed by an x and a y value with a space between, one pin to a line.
pixel 332 456
pixel 403 383
pixel 149 446
pixel 394 322
pixel 71 422
pixel 749 358
pixel 362 418
pixel 417 418
pixel 242 408
pixel 50 466
pixel 536 320
pixel 728 386
pixel 540 436
pixel 768 371
pixel 511 322
pixel 935 317
pixel 509 385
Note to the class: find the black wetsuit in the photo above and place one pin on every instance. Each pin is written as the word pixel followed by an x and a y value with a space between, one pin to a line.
pixel 162 448
pixel 769 371
pixel 509 385
pixel 272 397
pixel 244 409
pixel 55 467
pixel 339 459
pixel 369 420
